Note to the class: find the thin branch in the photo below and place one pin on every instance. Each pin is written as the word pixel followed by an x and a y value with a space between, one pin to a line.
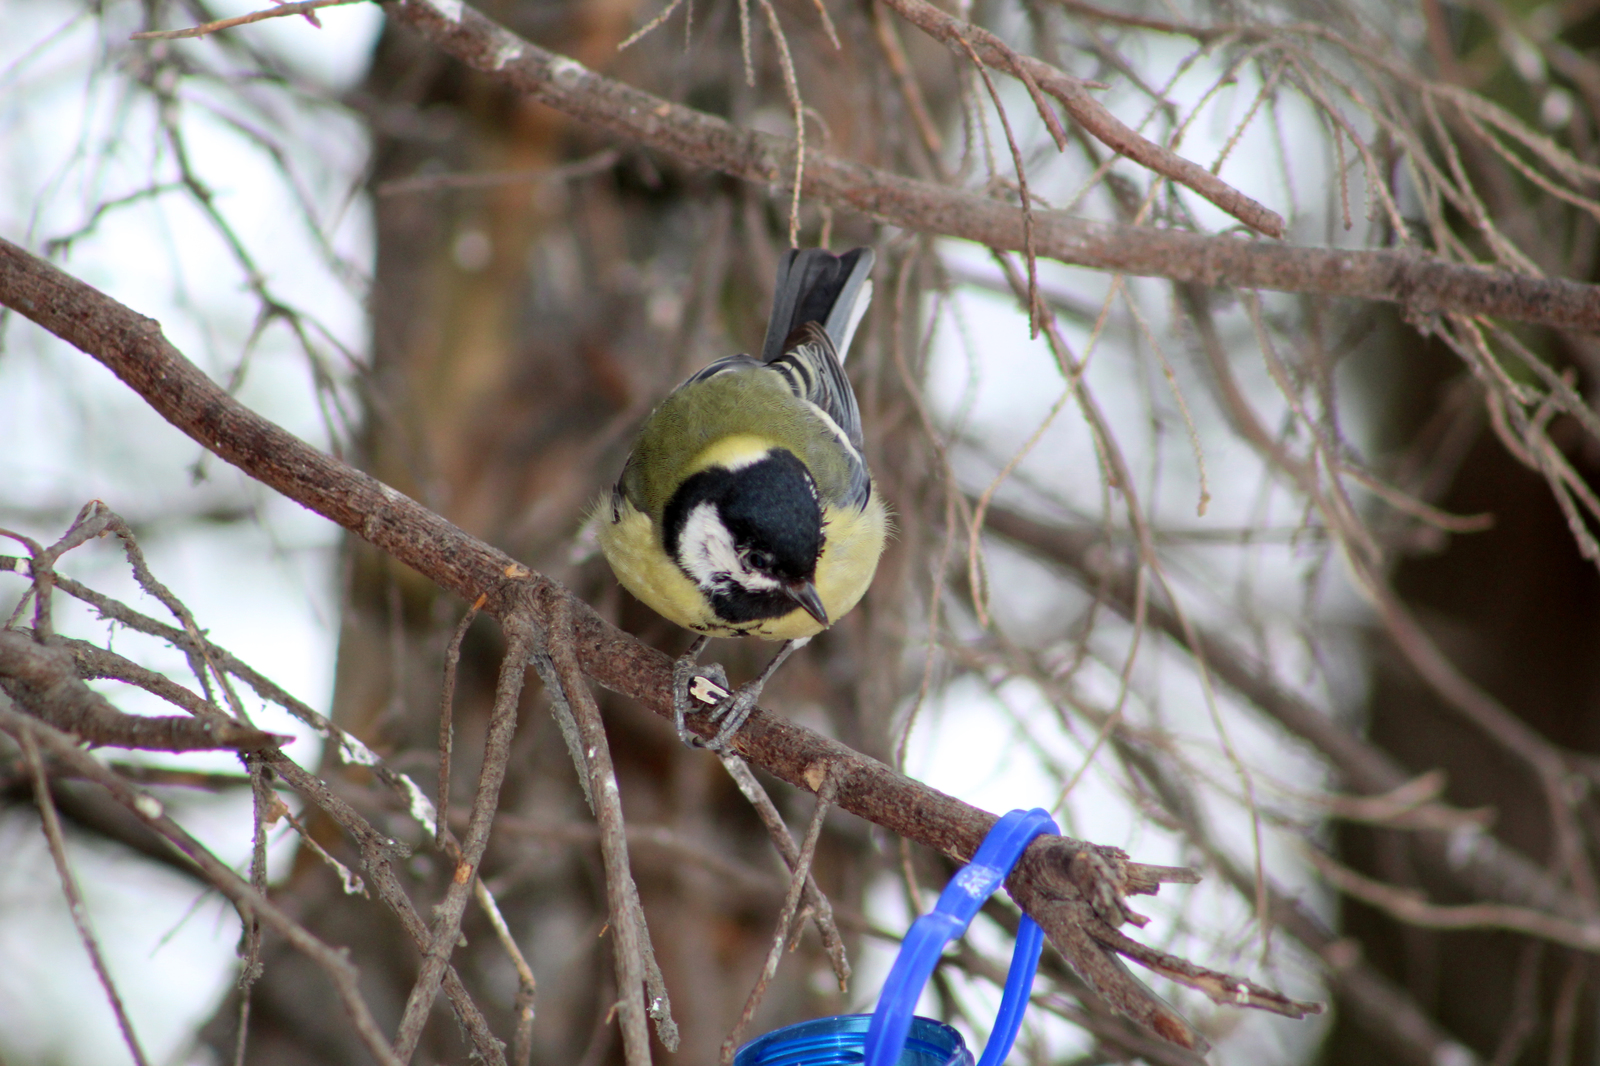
pixel 42 678
pixel 449 911
pixel 303 7
pixel 563 680
pixel 791 902
pixel 644 31
pixel 1423 284
pixel 791 88
pixel 596 164
pixel 527 985
pixel 1073 95
pixel 447 693
pixel 1410 906
pixel 341 972
pixel 816 902
pixel 50 822
pixel 905 78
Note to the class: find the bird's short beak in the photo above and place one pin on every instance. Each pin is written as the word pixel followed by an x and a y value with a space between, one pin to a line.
pixel 805 594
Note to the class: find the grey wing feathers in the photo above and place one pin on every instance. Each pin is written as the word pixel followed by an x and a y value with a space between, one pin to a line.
pixel 813 372
pixel 817 303
pixel 818 286
pixel 726 363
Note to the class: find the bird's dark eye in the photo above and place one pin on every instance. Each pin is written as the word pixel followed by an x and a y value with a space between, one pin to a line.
pixel 761 560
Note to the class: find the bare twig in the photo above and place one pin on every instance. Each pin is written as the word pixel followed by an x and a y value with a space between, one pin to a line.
pixel 816 902
pixel 1219 987
pixel 42 678
pixel 349 880
pixel 582 168
pixel 1073 95
pixel 339 969
pixel 51 824
pixel 262 809
pixel 791 901
pixel 791 88
pixel 894 54
pixel 302 7
pixel 560 671
pixel 1030 252
pixel 649 27
pixel 1409 905
pixel 527 986
pixel 447 692
pixel 448 912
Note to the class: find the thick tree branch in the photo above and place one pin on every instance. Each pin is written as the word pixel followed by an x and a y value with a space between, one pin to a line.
pixel 1061 882
pixel 1422 284
pixel 43 678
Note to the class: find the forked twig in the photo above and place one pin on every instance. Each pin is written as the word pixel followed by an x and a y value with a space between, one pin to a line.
pixel 636 968
pixel 791 900
pixel 815 900
pixel 449 911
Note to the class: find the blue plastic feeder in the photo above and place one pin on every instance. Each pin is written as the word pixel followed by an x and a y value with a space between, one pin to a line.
pixel 892 1035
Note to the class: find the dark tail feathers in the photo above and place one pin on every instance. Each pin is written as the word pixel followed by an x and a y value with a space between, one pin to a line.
pixel 816 286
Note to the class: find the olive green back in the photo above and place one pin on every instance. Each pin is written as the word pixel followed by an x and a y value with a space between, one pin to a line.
pixel 749 400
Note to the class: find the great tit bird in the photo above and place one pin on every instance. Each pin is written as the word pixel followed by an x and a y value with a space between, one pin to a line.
pixel 746 506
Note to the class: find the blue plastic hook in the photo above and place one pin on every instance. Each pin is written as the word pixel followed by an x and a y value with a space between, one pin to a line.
pixel 958 904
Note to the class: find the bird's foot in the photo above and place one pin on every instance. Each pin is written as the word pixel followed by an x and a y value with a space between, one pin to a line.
pixel 731 713
pixel 695 689
pixel 701 689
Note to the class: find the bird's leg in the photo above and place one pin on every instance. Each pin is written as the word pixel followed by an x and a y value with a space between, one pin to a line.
pixel 691 684
pixel 732 712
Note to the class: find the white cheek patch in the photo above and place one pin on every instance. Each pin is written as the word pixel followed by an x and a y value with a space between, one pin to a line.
pixel 706 550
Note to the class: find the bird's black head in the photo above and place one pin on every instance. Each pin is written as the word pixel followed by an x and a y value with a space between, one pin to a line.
pixel 750 537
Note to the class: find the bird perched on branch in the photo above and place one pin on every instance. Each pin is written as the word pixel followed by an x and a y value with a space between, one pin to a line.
pixel 746 506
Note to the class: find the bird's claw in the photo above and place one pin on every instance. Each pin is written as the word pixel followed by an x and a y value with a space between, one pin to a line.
pixel 702 689
pixel 696 689
pixel 731 714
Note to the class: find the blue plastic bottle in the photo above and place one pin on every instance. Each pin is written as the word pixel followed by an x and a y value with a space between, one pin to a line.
pixel 842 1040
